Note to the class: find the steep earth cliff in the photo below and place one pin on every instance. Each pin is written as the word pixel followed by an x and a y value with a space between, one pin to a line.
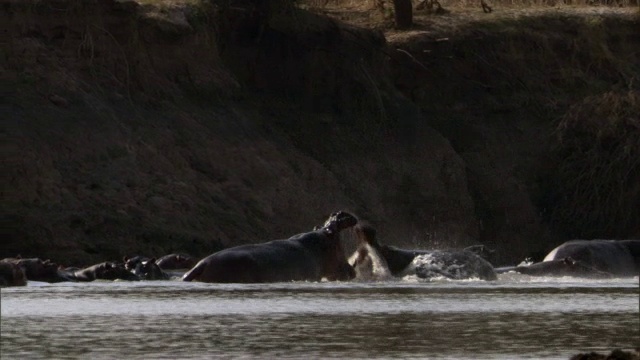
pixel 152 127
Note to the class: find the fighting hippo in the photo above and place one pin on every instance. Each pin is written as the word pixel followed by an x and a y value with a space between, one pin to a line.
pixel 452 264
pixel 149 270
pixel 103 271
pixel 176 262
pixel 587 258
pixel 308 256
pixel 11 274
pixel 36 269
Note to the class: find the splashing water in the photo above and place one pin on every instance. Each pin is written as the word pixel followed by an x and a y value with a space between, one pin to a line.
pixel 526 262
pixel 372 268
pixel 441 265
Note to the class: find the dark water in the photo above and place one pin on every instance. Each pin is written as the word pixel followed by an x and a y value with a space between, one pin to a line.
pixel 513 318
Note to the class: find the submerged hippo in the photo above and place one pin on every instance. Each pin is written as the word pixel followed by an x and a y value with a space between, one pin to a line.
pixel 11 274
pixel 176 262
pixel 149 270
pixel 587 258
pixel 452 264
pixel 103 271
pixel 560 267
pixel 308 256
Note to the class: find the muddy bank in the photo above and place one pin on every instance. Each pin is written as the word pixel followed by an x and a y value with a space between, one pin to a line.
pixel 191 127
pixel 544 109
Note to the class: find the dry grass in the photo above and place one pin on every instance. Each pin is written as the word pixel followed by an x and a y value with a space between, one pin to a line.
pixel 460 13
pixel 170 2
pixel 598 150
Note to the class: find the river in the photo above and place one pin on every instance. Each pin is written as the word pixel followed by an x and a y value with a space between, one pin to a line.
pixel 515 317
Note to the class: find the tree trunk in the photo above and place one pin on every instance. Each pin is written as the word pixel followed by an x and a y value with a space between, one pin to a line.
pixel 404 13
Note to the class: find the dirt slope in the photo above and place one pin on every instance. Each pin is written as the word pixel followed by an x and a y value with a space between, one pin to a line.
pixel 144 128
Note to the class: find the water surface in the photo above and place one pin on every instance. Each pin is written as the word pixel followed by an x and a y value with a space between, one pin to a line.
pixel 515 317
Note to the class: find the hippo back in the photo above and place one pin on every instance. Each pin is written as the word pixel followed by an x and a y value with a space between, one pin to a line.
pixel 104 271
pixel 619 258
pixel 561 267
pixel 307 256
pixel 399 259
pixel 36 269
pixel 176 261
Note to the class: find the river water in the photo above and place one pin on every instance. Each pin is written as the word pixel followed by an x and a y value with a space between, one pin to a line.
pixel 515 317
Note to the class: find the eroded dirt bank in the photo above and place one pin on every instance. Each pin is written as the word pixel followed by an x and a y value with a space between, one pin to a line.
pixel 543 107
pixel 133 128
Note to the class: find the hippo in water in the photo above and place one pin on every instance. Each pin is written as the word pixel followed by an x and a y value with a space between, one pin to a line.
pixel 176 262
pixel 309 256
pixel 130 263
pixel 587 258
pixel 11 274
pixel 36 269
pixel 149 270
pixel 557 267
pixel 452 264
pixel 103 271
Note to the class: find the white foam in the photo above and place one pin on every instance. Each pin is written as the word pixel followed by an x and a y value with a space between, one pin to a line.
pixel 373 268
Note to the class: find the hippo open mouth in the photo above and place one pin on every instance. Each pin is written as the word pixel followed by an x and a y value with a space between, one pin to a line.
pixel 339 221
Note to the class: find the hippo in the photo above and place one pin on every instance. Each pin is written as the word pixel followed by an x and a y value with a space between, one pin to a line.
pixel 309 256
pixel 587 258
pixel 426 264
pixel 36 269
pixel 150 270
pixel 558 267
pixel 103 271
pixel 130 263
pixel 11 274
pixel 616 354
pixel 176 262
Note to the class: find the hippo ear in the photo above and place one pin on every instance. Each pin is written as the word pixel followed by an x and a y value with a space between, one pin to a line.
pixel 125 258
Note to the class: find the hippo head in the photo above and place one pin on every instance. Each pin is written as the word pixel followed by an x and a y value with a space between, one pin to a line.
pixel 395 259
pixel 149 270
pixel 113 271
pixel 367 236
pixel 339 221
pixel 336 266
pixel 130 263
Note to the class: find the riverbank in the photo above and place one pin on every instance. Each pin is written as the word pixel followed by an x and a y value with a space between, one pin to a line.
pixel 158 127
